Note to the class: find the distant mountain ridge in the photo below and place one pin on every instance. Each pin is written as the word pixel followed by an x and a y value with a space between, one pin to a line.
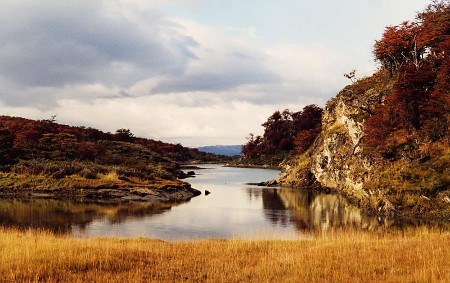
pixel 228 150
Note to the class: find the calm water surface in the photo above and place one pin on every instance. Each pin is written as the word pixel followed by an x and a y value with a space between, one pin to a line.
pixel 233 209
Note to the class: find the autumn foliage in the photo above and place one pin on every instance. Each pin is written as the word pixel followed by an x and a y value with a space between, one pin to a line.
pixel 412 41
pixel 24 139
pixel 284 132
pixel 417 55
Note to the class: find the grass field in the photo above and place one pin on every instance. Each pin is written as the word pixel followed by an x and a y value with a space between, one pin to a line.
pixel 420 255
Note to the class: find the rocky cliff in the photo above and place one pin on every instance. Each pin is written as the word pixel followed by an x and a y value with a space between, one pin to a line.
pixel 338 160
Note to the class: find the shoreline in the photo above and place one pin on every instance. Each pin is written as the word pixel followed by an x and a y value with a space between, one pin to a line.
pixel 114 189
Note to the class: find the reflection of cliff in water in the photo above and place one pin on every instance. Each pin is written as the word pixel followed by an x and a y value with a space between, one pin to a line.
pixel 325 211
pixel 62 216
pixel 312 211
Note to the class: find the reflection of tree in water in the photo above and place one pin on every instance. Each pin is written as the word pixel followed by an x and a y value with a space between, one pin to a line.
pixel 254 193
pixel 62 216
pixel 274 208
pixel 311 211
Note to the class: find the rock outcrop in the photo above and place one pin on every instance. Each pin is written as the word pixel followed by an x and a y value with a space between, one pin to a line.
pixel 338 161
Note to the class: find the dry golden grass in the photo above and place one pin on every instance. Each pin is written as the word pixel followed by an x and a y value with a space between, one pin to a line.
pixel 27 183
pixel 111 176
pixel 421 255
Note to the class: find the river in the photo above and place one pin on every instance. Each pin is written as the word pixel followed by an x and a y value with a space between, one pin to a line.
pixel 232 210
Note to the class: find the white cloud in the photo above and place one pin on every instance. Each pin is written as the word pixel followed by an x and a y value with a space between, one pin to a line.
pixel 223 62
pixel 124 64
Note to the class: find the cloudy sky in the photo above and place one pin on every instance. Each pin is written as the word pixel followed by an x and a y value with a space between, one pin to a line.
pixel 189 71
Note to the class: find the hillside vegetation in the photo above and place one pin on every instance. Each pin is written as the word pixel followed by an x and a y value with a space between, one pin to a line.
pixel 44 156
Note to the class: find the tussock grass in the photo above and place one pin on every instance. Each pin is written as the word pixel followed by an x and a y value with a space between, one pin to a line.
pixel 111 176
pixel 421 255
pixel 28 183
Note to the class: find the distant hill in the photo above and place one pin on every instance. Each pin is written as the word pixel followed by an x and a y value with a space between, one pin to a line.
pixel 21 133
pixel 228 150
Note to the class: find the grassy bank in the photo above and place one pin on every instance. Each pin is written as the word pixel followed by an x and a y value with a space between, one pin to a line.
pixel 109 186
pixel 420 255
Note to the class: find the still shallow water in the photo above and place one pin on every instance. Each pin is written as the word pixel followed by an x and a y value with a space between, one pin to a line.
pixel 233 209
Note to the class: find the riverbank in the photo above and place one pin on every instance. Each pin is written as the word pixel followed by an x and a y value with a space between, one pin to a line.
pixel 256 166
pixel 107 187
pixel 419 255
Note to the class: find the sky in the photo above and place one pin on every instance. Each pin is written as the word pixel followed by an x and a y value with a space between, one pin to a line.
pixel 194 72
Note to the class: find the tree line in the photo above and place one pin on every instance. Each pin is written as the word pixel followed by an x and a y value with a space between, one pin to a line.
pixel 416 55
pixel 284 132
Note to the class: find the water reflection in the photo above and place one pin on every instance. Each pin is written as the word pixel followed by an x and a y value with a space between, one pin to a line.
pixel 233 209
pixel 63 216
pixel 309 211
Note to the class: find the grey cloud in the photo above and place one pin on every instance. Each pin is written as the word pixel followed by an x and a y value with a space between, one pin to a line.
pixel 241 68
pixel 124 94
pixel 60 44
pixel 214 82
